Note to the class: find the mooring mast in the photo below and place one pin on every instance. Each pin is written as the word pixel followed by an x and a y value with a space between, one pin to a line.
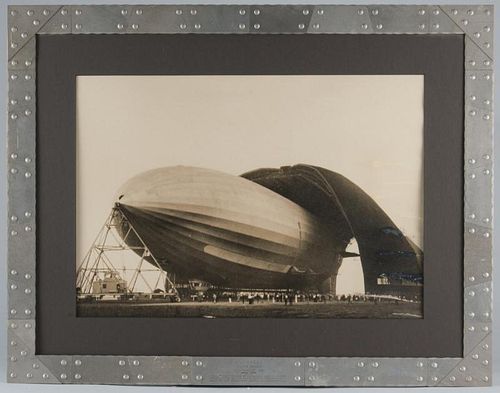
pixel 97 264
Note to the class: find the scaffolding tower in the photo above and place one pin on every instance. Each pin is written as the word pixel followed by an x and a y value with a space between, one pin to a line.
pixel 97 264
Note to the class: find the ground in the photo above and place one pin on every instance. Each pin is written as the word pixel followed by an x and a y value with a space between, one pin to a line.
pixel 256 310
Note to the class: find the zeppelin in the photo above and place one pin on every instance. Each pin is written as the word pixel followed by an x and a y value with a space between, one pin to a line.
pixel 283 228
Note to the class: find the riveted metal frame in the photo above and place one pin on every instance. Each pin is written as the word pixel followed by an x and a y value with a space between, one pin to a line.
pixel 475 22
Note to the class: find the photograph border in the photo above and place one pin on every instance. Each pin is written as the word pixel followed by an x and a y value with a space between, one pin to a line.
pixel 473 21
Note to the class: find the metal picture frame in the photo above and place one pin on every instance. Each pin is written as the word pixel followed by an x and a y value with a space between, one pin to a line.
pixel 475 22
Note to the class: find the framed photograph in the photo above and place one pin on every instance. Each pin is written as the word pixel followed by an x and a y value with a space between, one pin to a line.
pixel 286 195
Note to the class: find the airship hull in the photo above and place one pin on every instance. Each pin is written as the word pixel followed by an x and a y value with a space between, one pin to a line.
pixel 227 230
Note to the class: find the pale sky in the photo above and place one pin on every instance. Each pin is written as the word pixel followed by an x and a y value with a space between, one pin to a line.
pixel 368 128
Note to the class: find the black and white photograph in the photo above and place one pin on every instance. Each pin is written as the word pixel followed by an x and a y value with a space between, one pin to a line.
pixel 252 196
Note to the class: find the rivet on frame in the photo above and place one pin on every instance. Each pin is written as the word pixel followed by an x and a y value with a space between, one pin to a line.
pixel 312 364
pixel 13 170
pixel 420 364
pixel 361 11
pixel 472 176
pixel 305 11
pixel 473 98
pixel 486 117
pixel 45 12
pixel 30 12
pixel 27 98
pixel 471 315
pixel 78 376
pixel 24 34
pixel 64 11
pixel 36 22
pixel 242 12
pixel 45 376
pixel 13 45
pixel 311 378
pixel 375 364
pixel 379 26
pixel 119 26
pixel 486 171
pixel 487 29
pixel 27 291
pixel 78 12
pixel 471 328
pixel 486 45
pixel 64 362
pixel 485 362
pixel 487 290
pixel 121 362
pixel 27 77
pixel 356 378
pixel 27 325
pixel 29 375
pixel 199 363
pixel 13 218
pixel 371 379
pixel 13 287
pixel 364 26
pixel 472 293
pixel 13 101
pixel 472 77
pixel 421 12
pixel 485 347
pixel 78 362
pixel 135 362
pixel 475 356
pixel 78 26
pixel 27 311
pixel 140 377
pixel 463 368
pixel 435 12
pixel 361 364
pixel 485 379
pixel 124 12
pixel 138 11
pixel 13 77
pixel 13 272
pixel 472 278
pixel 472 161
pixel 487 77
pixel 197 26
pixel 477 34
pixel 316 26
pixel 27 214
pixel 24 353
pixel 13 359
pixel 256 26
pixel 13 325
pixel 485 329
pixel 13 344
pixel 434 379
pixel 468 378
pixel 64 376
pixel 420 379
pixel 470 12
pixel 184 376
pixel 27 112
pixel 465 22
pixel 297 364
pixel 486 275
pixel 182 26
pixel 486 102
pixel 193 12
pixel 435 26
pixel 13 233
pixel 472 113
pixel 184 363
pixel 301 26
pixel 256 11
pixel 27 228
pixel 13 29
pixel 27 63
pixel 126 377
pixel 321 11
pixel 13 13
pixel 421 26
pixel 375 12
pixel 241 26
pixel 178 12
pixel 199 377
pixel 12 375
